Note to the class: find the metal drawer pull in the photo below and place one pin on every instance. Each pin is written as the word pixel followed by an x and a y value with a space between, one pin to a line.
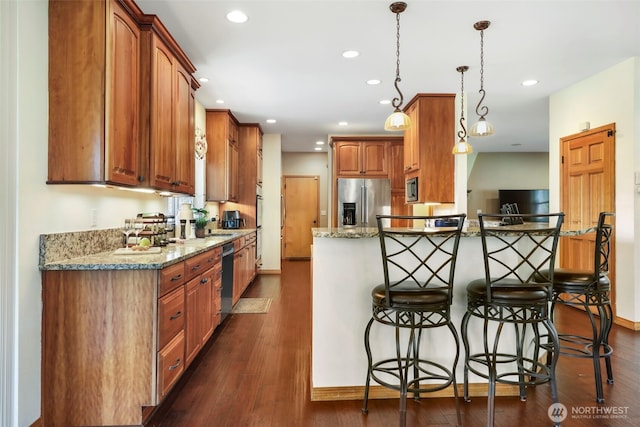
pixel 178 363
pixel 195 267
pixel 204 280
pixel 175 316
pixel 178 277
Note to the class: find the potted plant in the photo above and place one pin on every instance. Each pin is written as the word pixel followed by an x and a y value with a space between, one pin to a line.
pixel 201 221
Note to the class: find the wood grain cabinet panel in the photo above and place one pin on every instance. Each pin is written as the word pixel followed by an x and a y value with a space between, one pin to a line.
pixel 427 146
pixel 171 134
pixel 355 158
pixel 94 99
pixel 222 156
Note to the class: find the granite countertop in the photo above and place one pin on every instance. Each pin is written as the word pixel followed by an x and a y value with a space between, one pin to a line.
pixel 366 232
pixel 94 250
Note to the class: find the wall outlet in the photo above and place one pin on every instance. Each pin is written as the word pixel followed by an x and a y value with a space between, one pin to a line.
pixel 94 217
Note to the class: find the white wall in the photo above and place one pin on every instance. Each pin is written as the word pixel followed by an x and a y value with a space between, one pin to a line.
pixel 271 192
pixel 504 171
pixel 311 164
pixel 612 96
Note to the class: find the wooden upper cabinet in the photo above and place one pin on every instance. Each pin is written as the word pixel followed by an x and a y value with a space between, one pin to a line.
pixel 360 158
pixel 222 156
pixel 396 164
pixel 411 144
pixel 427 146
pixel 94 99
pixel 171 135
pixel 121 100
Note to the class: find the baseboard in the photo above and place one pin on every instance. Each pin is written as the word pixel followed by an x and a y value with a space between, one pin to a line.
pixel 270 271
pixel 380 392
pixel 629 324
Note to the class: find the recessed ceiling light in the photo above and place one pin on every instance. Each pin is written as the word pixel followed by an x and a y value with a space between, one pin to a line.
pixel 237 17
pixel 529 82
pixel 343 123
pixel 318 148
pixel 385 102
pixel 219 101
pixel 203 79
pixel 373 82
pixel 350 53
pixel 271 120
pixel 319 142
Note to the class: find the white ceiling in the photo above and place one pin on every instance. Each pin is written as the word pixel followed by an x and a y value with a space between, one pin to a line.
pixel 285 62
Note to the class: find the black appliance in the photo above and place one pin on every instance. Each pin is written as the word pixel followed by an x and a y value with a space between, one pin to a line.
pixel 226 292
pixel 411 192
pixel 525 201
pixel 232 219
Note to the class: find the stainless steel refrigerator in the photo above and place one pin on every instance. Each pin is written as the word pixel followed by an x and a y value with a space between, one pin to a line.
pixel 360 200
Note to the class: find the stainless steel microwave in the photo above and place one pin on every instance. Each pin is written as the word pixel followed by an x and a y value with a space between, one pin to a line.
pixel 412 189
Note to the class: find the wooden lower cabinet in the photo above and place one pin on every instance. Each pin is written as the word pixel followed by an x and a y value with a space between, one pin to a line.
pixel 199 308
pixel 116 341
pixel 244 264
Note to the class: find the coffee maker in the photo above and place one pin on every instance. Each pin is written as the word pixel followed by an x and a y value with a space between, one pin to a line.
pixel 232 219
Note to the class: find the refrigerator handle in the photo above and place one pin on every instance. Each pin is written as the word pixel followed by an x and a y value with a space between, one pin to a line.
pixel 365 207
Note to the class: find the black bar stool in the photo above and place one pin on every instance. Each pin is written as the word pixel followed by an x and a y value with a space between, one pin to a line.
pixel 590 290
pixel 419 265
pixel 517 250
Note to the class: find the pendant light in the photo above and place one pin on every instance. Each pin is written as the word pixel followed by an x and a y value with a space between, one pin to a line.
pixel 462 146
pixel 398 120
pixel 482 127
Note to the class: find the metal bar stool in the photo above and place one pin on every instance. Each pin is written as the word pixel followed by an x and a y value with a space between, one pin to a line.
pixel 419 265
pixel 518 251
pixel 589 290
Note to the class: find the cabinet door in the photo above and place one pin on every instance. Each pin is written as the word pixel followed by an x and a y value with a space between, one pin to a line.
pixel 192 333
pixel 373 157
pixel 411 141
pixel 347 159
pixel 123 146
pixel 396 166
pixel 162 144
pixel 232 172
pixel 184 106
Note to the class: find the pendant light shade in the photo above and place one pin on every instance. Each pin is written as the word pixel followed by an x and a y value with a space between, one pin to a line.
pixel 482 127
pixel 462 146
pixel 398 120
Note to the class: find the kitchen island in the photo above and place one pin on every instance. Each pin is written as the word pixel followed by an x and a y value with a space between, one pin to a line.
pixel 346 266
pixel 118 330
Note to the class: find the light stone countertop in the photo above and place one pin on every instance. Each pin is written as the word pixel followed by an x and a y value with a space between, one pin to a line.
pixel 367 232
pixel 94 250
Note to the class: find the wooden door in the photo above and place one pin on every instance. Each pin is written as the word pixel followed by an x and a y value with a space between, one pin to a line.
pixel 374 159
pixel 347 158
pixel 123 109
pixel 162 145
pixel 183 112
pixel 301 201
pixel 587 188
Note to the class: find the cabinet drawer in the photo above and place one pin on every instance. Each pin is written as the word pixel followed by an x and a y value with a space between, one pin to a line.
pixel 171 277
pixel 170 316
pixel 200 263
pixel 170 364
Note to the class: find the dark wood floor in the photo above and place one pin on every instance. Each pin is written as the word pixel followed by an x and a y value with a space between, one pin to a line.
pixel 256 373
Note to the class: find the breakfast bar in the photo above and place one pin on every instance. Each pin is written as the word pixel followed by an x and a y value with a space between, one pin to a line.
pixel 346 265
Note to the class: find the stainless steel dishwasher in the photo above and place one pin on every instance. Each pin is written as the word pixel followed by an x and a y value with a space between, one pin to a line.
pixel 227 280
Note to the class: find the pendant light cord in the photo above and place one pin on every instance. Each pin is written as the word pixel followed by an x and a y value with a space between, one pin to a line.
pixel 482 110
pixel 397 102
